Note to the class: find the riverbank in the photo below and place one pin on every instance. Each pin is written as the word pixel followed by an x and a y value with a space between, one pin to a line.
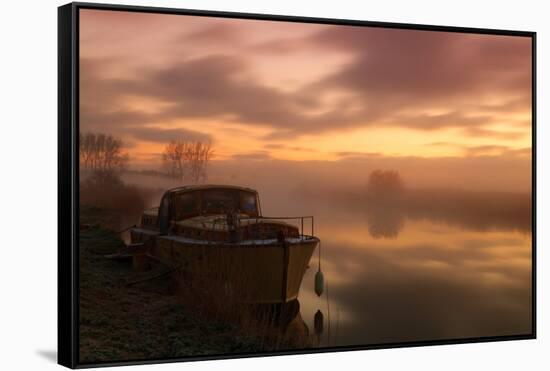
pixel 122 320
pixel 141 321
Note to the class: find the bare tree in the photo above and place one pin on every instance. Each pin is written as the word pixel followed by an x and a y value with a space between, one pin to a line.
pixel 187 160
pixel 101 153
pixel 173 159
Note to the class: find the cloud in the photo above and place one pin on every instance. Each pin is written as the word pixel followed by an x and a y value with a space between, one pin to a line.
pixel 270 146
pixel 214 86
pixel 418 65
pixel 481 132
pixel 275 146
pixel 437 144
pixel 355 155
pixel 153 134
pixel 397 74
pixel 209 87
pixel 401 78
pixel 258 155
pixel 101 98
pixel 92 116
pixel 218 33
pixel 437 121
pixel 496 150
pixel 487 149
pixel 284 46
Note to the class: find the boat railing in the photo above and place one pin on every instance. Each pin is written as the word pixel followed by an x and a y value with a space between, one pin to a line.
pixel 299 219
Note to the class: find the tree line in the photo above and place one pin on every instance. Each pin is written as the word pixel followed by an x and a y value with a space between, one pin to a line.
pixel 187 160
pixel 104 156
pixel 101 153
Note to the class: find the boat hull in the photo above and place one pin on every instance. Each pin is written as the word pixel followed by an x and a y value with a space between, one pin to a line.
pixel 262 271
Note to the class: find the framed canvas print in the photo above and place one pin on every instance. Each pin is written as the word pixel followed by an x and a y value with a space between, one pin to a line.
pixel 236 185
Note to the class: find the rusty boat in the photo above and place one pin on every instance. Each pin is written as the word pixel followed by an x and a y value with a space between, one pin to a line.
pixel 217 233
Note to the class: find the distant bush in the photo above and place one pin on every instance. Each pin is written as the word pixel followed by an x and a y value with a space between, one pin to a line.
pixel 385 182
pixel 106 190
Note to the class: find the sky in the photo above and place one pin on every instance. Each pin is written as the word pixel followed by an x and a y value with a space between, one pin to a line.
pixel 281 91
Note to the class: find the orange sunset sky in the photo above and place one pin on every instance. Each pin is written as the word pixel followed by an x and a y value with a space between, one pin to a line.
pixel 294 91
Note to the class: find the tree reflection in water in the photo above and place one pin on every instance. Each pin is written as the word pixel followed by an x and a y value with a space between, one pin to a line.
pixel 385 217
pixel 385 222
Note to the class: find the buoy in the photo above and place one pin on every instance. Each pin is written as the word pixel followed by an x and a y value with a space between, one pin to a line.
pixel 318 322
pixel 319 283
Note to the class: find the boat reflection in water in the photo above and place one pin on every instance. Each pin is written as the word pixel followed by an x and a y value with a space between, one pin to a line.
pixel 226 256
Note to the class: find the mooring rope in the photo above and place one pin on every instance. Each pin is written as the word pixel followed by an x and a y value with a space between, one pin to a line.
pixel 319 255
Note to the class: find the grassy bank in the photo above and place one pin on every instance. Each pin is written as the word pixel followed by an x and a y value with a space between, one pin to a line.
pixel 148 320
pixel 142 321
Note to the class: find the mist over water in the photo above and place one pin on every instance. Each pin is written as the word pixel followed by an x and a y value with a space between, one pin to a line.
pixel 426 280
pixel 434 263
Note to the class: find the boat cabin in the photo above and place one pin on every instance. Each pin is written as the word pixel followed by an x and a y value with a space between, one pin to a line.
pixel 205 200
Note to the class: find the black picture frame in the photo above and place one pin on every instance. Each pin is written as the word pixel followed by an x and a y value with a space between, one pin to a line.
pixel 68 175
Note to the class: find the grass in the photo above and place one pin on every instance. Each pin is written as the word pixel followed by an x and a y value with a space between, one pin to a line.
pixel 149 320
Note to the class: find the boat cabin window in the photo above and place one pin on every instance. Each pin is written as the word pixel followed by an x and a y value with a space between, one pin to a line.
pixel 185 204
pixel 225 200
pixel 218 200
pixel 248 203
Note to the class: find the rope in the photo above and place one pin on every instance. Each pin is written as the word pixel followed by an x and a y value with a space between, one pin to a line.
pixel 319 255
pixel 328 310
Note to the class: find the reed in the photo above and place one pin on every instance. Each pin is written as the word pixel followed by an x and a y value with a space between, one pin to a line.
pixel 215 297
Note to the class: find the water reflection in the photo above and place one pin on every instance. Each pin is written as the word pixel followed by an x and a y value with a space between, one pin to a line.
pixel 413 278
pixel 426 265
pixel 281 326
pixel 385 221
pixel 477 211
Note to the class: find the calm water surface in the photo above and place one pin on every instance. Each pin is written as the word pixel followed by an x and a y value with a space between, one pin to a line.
pixel 443 265
pixel 394 279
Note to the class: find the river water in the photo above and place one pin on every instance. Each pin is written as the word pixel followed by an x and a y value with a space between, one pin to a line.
pixel 395 279
pixel 430 265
